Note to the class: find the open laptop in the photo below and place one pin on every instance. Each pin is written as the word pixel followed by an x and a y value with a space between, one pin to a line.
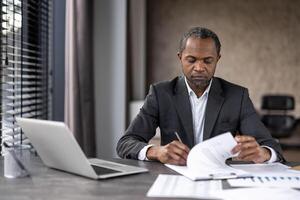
pixel 58 149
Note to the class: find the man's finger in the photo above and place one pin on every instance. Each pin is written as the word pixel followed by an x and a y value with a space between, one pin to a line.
pixel 247 152
pixel 176 159
pixel 236 149
pixel 175 152
pixel 248 145
pixel 179 160
pixel 174 156
pixel 181 146
pixel 248 158
pixel 180 153
pixel 253 158
pixel 244 138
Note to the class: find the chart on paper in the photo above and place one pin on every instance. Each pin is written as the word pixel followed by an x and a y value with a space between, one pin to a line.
pixel 292 181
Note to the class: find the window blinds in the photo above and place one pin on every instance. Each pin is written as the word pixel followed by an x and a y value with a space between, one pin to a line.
pixel 25 66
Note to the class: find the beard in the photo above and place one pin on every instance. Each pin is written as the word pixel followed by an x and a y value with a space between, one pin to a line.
pixel 199 82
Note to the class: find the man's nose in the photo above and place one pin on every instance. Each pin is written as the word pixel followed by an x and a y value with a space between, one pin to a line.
pixel 199 66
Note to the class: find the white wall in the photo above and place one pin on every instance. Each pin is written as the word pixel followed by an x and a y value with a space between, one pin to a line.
pixel 109 74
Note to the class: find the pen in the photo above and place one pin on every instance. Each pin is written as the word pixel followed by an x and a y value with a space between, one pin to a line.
pixel 176 134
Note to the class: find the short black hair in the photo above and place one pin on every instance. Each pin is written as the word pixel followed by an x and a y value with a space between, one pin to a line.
pixel 199 32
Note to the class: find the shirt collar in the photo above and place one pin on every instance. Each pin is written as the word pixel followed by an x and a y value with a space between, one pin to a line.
pixel 190 91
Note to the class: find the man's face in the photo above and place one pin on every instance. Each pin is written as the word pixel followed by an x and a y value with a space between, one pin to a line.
pixel 199 60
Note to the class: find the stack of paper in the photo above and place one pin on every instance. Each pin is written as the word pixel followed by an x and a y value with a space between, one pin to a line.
pixel 259 194
pixel 175 186
pixel 273 175
pixel 179 186
pixel 207 159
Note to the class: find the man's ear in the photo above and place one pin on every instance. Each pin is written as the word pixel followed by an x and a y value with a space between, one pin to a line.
pixel 219 56
pixel 179 55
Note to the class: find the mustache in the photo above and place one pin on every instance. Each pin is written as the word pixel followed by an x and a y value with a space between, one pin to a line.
pixel 199 76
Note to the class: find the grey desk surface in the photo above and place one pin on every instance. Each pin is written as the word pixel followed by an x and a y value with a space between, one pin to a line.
pixel 46 183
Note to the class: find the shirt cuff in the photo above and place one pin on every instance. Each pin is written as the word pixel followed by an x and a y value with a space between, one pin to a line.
pixel 273 157
pixel 143 152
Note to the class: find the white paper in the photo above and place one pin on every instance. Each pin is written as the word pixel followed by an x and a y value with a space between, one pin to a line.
pixel 283 180
pixel 258 169
pixel 213 152
pixel 207 159
pixel 179 186
pixel 259 194
pixel 267 175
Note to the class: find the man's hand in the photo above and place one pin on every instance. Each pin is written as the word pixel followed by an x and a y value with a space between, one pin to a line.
pixel 249 150
pixel 173 153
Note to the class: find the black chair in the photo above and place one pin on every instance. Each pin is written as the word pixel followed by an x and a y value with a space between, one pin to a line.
pixel 276 117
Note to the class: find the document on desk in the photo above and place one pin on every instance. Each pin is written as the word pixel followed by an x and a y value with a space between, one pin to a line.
pixel 258 193
pixel 283 181
pixel 207 159
pixel 267 175
pixel 264 168
pixel 182 187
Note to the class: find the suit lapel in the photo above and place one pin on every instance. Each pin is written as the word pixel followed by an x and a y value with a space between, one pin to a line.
pixel 183 108
pixel 213 107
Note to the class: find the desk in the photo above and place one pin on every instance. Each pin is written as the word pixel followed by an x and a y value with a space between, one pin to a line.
pixel 46 183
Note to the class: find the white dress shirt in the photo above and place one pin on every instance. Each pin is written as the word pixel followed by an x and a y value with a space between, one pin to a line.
pixel 198 107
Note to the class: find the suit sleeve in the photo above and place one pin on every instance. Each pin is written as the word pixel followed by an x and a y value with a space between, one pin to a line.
pixel 141 129
pixel 250 124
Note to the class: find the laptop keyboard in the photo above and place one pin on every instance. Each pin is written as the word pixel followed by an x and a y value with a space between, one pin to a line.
pixel 102 170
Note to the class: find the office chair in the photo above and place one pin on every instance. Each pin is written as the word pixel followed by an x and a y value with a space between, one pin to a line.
pixel 276 117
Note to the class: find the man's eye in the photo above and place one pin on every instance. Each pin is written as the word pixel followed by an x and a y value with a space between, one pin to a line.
pixel 208 61
pixel 191 60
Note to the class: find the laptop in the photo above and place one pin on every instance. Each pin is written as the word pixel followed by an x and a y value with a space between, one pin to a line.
pixel 58 149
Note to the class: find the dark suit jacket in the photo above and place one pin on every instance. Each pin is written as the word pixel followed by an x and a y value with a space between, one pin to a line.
pixel 167 105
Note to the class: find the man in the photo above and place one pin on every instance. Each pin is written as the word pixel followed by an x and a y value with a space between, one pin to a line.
pixel 197 106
